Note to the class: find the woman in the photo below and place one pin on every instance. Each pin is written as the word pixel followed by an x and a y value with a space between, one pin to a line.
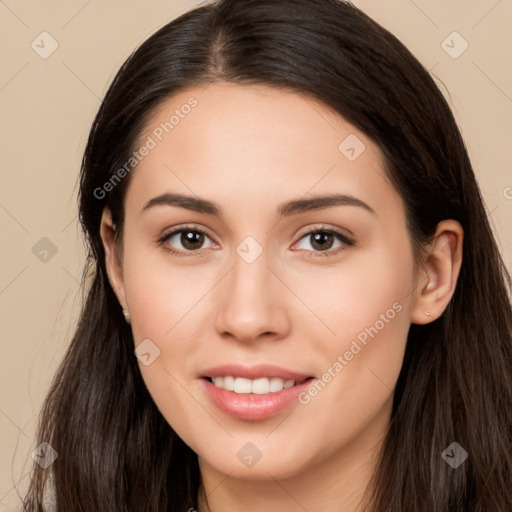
pixel 296 301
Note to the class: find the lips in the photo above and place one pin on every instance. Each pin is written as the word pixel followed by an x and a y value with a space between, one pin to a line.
pixel 253 393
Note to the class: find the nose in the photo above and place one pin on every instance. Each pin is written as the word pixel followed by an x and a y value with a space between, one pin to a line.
pixel 253 302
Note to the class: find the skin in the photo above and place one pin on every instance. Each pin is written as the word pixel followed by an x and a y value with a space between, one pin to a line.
pixel 249 149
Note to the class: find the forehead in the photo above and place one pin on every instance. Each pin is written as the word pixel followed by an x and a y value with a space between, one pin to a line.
pixel 249 145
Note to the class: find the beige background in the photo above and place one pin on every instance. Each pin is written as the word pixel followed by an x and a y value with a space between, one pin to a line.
pixel 47 106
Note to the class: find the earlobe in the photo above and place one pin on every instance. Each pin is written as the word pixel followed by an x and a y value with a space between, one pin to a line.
pixel 437 279
pixel 112 260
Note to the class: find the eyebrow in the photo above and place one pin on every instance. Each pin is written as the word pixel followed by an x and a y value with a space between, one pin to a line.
pixel 287 209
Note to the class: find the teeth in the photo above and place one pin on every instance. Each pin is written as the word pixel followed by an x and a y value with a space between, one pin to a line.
pixel 243 386
pixel 277 384
pixel 260 386
pixel 228 383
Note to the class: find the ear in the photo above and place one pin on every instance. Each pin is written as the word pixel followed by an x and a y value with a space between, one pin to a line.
pixel 113 262
pixel 437 277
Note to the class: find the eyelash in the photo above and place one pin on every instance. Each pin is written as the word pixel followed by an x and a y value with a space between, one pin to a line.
pixel 347 242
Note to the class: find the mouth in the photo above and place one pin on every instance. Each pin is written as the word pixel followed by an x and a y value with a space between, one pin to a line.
pixel 253 393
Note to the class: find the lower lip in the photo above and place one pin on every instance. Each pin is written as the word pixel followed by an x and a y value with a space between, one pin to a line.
pixel 250 406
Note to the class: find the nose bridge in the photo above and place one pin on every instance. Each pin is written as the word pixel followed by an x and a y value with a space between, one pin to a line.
pixel 250 275
pixel 251 303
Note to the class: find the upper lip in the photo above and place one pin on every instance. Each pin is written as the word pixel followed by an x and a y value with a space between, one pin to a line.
pixel 253 372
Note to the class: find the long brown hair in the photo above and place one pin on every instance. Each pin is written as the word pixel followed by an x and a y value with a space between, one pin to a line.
pixel 116 451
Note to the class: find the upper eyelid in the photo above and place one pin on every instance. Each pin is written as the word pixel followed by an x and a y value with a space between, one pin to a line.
pixel 324 227
pixel 179 229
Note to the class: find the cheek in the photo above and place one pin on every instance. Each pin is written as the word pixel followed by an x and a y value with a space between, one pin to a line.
pixel 357 366
pixel 166 307
pixel 367 289
pixel 367 310
pixel 160 291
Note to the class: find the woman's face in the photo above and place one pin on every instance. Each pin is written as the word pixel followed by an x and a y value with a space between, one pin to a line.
pixel 235 269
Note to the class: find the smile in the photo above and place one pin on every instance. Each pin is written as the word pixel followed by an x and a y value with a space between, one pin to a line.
pixel 253 393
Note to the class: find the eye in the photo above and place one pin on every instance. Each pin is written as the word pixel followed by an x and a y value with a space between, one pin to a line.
pixel 189 240
pixel 323 242
pixel 186 239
